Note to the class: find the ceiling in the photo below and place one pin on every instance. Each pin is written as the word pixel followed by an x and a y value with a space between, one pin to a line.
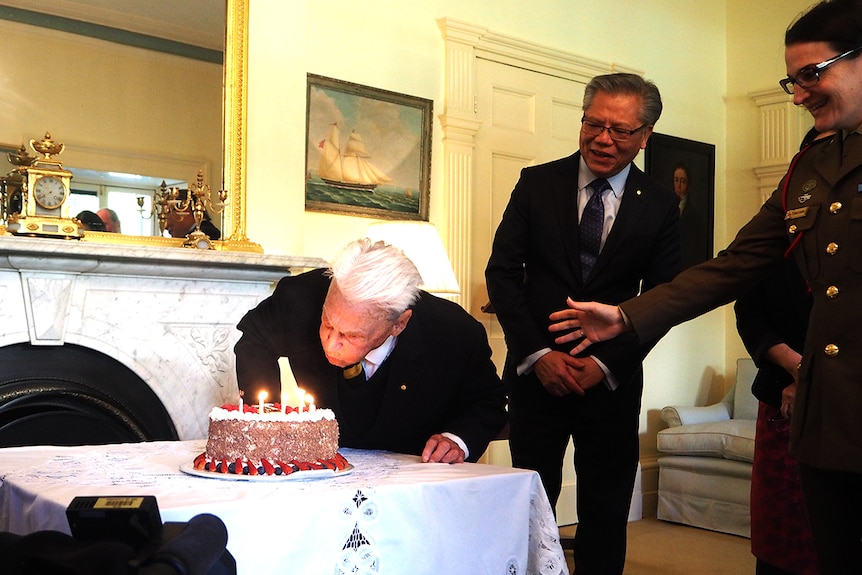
pixel 197 22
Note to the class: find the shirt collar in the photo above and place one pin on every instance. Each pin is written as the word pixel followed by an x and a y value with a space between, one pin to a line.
pixel 617 181
pixel 379 355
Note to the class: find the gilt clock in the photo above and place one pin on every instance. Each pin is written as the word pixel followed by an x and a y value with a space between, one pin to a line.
pixel 42 207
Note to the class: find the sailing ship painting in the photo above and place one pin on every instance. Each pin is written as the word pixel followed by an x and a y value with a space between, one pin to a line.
pixel 367 151
pixel 351 170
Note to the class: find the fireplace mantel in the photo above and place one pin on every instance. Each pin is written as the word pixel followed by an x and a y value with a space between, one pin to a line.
pixel 169 315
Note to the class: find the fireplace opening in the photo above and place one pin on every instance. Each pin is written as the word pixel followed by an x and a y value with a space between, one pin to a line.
pixel 72 395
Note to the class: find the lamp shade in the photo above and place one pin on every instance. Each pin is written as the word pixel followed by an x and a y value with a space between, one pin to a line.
pixel 421 243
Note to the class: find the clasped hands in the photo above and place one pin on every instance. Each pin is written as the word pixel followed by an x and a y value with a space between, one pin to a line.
pixel 585 323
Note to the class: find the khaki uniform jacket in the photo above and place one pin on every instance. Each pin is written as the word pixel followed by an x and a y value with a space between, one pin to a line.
pixel 816 211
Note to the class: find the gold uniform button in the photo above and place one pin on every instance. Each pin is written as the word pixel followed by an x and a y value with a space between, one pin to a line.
pixel 835 207
pixel 831 350
pixel 792 229
pixel 832 292
pixel 403 387
pixel 832 248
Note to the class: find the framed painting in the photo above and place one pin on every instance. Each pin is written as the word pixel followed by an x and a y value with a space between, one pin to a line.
pixel 368 151
pixel 687 167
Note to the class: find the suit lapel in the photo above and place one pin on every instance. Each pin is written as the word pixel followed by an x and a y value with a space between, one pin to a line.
pixel 565 192
pixel 403 361
pixel 630 212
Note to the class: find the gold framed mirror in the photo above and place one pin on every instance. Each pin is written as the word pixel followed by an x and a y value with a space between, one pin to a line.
pixel 229 156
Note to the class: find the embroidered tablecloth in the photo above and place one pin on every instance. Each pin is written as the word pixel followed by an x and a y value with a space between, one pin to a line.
pixel 390 514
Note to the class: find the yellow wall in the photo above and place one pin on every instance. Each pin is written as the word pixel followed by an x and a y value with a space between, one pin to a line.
pixel 706 57
pixel 398 46
pixel 116 108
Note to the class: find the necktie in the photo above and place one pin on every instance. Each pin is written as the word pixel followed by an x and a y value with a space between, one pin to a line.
pixel 353 371
pixel 592 222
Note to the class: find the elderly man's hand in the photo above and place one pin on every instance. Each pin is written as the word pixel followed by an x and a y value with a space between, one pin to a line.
pixel 441 449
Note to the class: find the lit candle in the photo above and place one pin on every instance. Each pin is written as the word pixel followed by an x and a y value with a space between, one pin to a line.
pixel 261 397
pixel 283 402
pixel 240 401
pixel 301 399
pixel 310 401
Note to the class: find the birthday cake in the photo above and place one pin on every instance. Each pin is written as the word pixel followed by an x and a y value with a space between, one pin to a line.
pixel 244 441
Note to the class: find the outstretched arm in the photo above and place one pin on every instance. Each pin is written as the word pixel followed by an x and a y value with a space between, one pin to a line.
pixel 591 323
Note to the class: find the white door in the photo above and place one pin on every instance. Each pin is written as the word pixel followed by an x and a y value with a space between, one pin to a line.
pixel 527 118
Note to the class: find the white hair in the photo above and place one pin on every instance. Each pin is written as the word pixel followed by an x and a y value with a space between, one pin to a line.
pixel 377 274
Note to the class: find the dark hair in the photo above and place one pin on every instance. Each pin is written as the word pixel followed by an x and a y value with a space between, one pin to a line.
pixel 837 22
pixel 680 165
pixel 90 221
pixel 621 83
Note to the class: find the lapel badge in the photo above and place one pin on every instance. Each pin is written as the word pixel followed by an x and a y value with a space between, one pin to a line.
pixel 809 185
pixel 796 214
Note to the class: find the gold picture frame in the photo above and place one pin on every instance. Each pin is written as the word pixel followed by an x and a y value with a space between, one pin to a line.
pixel 368 151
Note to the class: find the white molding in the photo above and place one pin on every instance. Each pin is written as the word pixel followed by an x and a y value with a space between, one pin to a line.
pixel 782 127
pixel 464 44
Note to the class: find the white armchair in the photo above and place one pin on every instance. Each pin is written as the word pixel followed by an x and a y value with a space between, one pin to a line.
pixel 705 479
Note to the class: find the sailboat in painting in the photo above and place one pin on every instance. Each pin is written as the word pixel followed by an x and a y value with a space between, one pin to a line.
pixel 351 169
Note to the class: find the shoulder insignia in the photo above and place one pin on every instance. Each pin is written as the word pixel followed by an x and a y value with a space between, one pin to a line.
pixel 809 185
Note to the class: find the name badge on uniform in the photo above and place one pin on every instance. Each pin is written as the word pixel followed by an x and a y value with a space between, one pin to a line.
pixel 796 214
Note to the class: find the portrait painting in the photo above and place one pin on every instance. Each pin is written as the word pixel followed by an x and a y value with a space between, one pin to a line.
pixel 687 167
pixel 368 151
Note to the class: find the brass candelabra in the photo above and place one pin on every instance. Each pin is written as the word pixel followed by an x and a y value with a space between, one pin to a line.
pixel 173 202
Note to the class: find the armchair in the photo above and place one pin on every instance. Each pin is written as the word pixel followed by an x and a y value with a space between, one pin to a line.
pixel 705 479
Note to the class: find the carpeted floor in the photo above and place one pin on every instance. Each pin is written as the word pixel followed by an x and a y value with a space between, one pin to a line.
pixel 661 548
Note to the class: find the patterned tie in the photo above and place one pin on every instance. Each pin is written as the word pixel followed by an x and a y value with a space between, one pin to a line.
pixel 592 222
pixel 353 371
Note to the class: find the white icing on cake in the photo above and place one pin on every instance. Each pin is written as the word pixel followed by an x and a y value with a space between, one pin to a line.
pixel 219 414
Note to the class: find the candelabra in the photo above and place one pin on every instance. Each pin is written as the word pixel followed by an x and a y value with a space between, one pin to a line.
pixel 174 203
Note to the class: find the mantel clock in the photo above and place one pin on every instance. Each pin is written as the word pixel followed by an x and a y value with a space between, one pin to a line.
pixel 35 194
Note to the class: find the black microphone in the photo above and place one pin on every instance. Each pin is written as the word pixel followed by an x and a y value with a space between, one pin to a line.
pixel 194 551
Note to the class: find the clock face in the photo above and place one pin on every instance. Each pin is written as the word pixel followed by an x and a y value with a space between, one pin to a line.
pixel 49 192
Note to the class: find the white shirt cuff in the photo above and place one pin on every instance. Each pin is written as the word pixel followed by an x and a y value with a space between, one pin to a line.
pixel 459 441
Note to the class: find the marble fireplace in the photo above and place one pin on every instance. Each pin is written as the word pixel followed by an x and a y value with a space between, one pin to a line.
pixel 110 318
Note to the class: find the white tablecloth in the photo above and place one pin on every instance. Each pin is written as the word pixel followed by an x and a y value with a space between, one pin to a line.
pixel 392 514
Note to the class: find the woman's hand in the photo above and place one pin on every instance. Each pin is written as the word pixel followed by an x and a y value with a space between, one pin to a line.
pixel 589 322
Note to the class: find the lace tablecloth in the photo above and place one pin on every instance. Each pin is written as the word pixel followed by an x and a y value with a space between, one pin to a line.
pixel 391 514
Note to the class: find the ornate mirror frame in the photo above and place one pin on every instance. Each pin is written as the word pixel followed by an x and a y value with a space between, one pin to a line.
pixel 234 130
pixel 235 115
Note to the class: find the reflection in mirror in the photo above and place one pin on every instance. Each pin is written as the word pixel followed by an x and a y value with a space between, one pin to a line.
pixel 134 89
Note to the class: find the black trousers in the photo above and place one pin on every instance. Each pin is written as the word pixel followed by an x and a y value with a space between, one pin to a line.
pixel 604 427
pixel 834 501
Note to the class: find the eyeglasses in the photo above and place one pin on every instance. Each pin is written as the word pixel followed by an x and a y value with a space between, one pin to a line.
pixel 616 134
pixel 810 75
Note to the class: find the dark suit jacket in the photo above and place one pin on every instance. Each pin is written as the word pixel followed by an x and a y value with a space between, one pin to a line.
pixel 440 374
pixel 535 262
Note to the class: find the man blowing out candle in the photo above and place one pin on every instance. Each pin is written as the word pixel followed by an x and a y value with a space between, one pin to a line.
pixel 403 370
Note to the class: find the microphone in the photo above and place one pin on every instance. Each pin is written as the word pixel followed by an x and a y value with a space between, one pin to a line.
pixel 194 551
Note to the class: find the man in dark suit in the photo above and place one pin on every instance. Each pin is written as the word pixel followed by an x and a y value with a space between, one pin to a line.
pixel 543 254
pixel 426 385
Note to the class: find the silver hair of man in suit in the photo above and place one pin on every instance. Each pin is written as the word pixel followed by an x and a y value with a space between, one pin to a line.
pixel 622 83
pixel 376 274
